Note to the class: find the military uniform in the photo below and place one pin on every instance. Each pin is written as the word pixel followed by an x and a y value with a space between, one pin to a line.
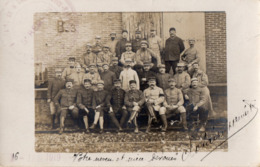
pixel 155 44
pixel 116 69
pixel 136 45
pixel 144 56
pixel 77 78
pixel 144 76
pixel 126 75
pixel 88 58
pixel 128 55
pixel 162 80
pixel 120 47
pixel 108 77
pixel 67 72
pixel 182 80
pixel 103 57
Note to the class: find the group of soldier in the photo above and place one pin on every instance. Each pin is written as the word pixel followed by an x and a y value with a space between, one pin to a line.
pixel 125 77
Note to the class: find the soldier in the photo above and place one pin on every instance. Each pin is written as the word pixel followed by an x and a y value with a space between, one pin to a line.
pixel 100 103
pixel 105 55
pixel 203 83
pixel 128 74
pixel 77 76
pixel 162 77
pixel 173 48
pixel 134 100
pixel 120 46
pixel 117 104
pixel 128 54
pixel 108 77
pixel 155 42
pixel 88 58
pixel 147 73
pixel 136 44
pixel 182 78
pixel 115 68
pixel 54 86
pixel 112 43
pixel 154 98
pixel 84 101
pixel 197 104
pixel 65 100
pixel 70 69
pixel 191 56
pixel 97 46
pixel 92 75
pixel 174 102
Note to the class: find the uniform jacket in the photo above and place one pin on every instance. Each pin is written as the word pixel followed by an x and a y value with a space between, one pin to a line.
pixel 144 76
pixel 116 69
pixel 108 77
pixel 202 77
pixel 54 86
pixel 155 94
pixel 126 75
pixel 92 77
pixel 88 59
pixel 136 45
pixel 120 47
pixel 102 98
pixel 97 48
pixel 77 77
pixel 155 44
pixel 162 80
pixel 103 57
pixel 112 46
pixel 67 72
pixel 85 98
pixel 173 48
pixel 182 80
pixel 66 97
pixel 191 55
pixel 134 96
pixel 173 97
pixel 146 56
pixel 128 55
pixel 198 97
pixel 117 98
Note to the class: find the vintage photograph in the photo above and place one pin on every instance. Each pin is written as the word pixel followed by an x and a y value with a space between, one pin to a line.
pixel 109 82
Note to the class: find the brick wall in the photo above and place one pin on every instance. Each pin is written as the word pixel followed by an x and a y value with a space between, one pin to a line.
pixel 53 48
pixel 215 24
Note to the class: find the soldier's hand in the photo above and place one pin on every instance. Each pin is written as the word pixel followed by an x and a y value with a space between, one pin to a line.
pixel 98 106
pixel 110 109
pixel 49 100
pixel 124 107
pixel 174 106
pixel 151 101
pixel 71 107
pixel 195 108
pixel 87 111
pixel 186 97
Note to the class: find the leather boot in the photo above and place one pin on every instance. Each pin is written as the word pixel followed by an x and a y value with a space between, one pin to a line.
pixel 184 122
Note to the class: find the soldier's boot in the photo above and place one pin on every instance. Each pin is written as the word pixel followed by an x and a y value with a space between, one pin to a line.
pixel 123 118
pixel 115 121
pixel 136 126
pixel 53 121
pixel 85 119
pixel 152 113
pixel 62 120
pixel 164 120
pixel 101 124
pixel 184 121
pixel 203 116
pixel 93 126
pixel 148 129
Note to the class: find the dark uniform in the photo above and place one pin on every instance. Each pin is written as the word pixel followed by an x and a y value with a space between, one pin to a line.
pixel 162 80
pixel 144 77
pixel 108 77
pixel 120 47
pixel 136 45
pixel 116 69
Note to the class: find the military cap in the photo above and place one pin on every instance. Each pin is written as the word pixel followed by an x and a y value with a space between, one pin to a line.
pixel 171 79
pixel 98 37
pixel 69 80
pixel 147 63
pixel 180 64
pixel 87 80
pixel 113 33
pixel 138 32
pixel 100 82
pixel 72 58
pixel 114 58
pixel 128 44
pixel 152 78
pixel 144 42
pixel 92 64
pixel 161 66
pixel 88 45
pixel 58 70
pixel 105 46
pixel 124 31
pixel 128 60
pixel 117 80
pixel 172 28
pixel 194 79
pixel 132 81
pixel 105 63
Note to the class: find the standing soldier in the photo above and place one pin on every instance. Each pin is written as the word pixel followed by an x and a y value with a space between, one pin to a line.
pixel 112 43
pixel 154 98
pixel 88 58
pixel 155 43
pixel 100 103
pixel 92 75
pixel 134 100
pixel 105 56
pixel 117 104
pixel 54 87
pixel 108 77
pixel 97 47
pixel 77 76
pixel 174 102
pixel 173 48
pixel 197 104
pixel 120 46
pixel 128 74
pixel 84 102
pixel 115 68
pixel 182 78
pixel 128 54
pixel 70 69
pixel 136 44
pixel 65 100
pixel 145 75
pixel 162 77
pixel 191 56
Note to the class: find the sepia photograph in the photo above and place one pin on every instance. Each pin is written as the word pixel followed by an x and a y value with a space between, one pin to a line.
pixel 109 82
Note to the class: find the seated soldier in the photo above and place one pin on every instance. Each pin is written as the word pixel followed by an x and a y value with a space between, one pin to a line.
pixel 84 102
pixel 105 56
pixel 147 73
pixel 100 103
pixel 173 102
pixel 162 77
pixel 108 77
pixel 197 104
pixel 134 99
pixel 70 69
pixel 154 98
pixel 92 75
pixel 128 54
pixel 88 58
pixel 182 78
pixel 65 100
pixel 115 68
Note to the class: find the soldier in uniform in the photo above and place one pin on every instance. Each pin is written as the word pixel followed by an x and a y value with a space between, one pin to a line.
pixel 54 86
pixel 117 104
pixel 108 77
pixel 162 77
pixel 147 73
pixel 128 74
pixel 136 43
pixel 112 43
pixel 155 42
pixel 115 68
pixel 92 75
pixel 120 46
pixel 77 76
pixel 154 98
pixel 173 102
pixel 65 100
pixel 97 47
pixel 70 69
pixel 105 55
pixel 88 58
pixel 134 100
pixel 182 78
pixel 197 104
pixel 84 101
pixel 128 54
